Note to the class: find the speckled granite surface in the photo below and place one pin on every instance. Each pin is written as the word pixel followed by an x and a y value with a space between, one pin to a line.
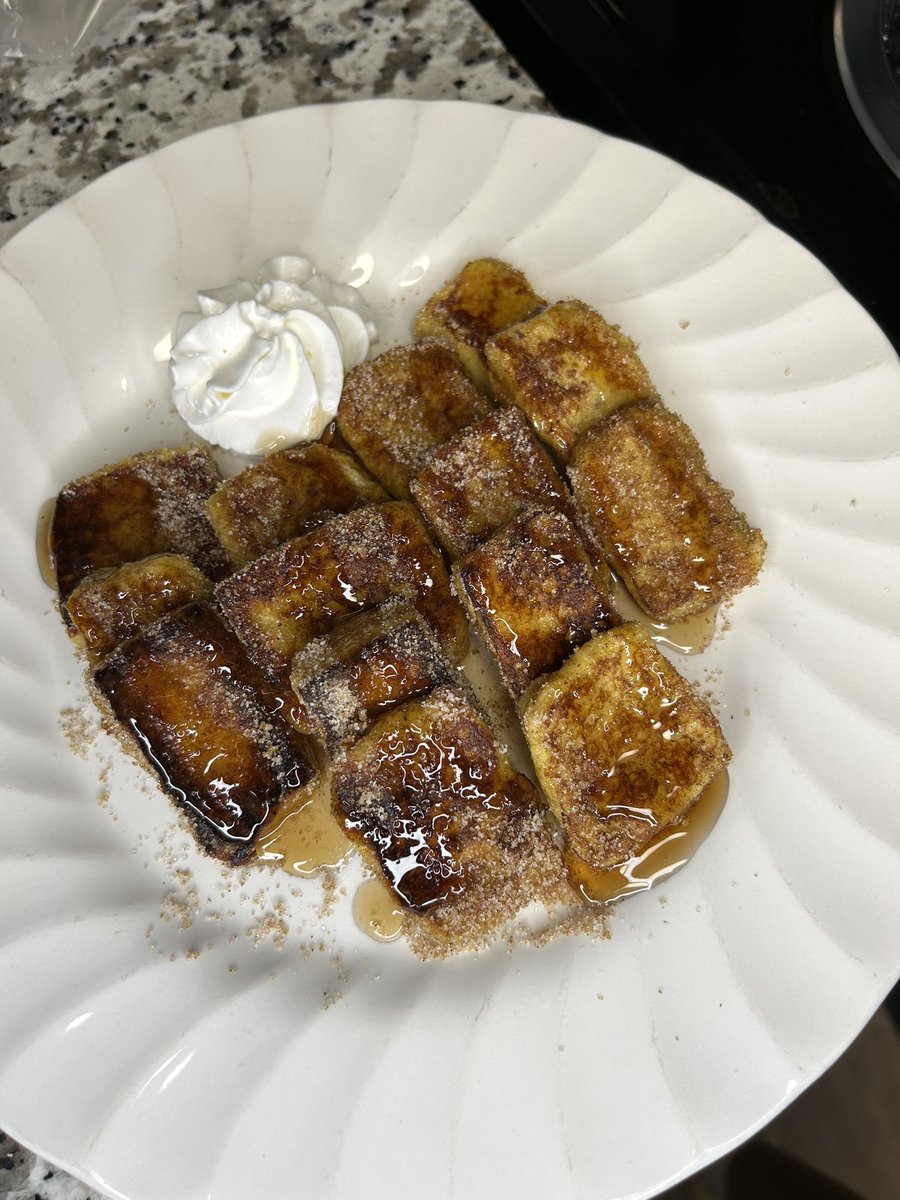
pixel 164 69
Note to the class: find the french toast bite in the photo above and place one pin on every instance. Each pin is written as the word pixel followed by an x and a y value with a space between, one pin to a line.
pixel 398 407
pixel 111 605
pixel 478 480
pixel 622 745
pixel 365 664
pixel 566 368
pixel 277 498
pixel 205 721
pixel 533 595
pixel 296 592
pixel 668 528
pixel 148 504
pixel 483 298
pixel 449 827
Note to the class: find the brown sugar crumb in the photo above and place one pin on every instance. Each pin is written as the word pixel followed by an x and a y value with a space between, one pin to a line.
pixel 566 368
pixel 276 499
pixel 533 595
pixel 669 529
pixel 148 504
pixel 478 480
pixel 278 603
pixel 483 298
pixel 398 407
pixel 450 828
pixel 622 745
pixel 80 728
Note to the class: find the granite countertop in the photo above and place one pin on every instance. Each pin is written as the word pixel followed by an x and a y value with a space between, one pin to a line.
pixel 163 69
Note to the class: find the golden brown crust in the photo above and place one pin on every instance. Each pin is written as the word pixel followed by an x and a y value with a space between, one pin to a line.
pixel 356 560
pixel 621 743
pixel 109 606
pixel 669 529
pixel 534 595
pixel 277 498
pixel 483 298
pixel 364 665
pixel 444 820
pixel 208 725
pixel 478 480
pixel 148 504
pixel 397 408
pixel 566 368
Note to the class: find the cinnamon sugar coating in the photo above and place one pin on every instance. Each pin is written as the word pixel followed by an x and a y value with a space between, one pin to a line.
pixel 296 592
pixel 277 498
pixel 448 826
pixel 533 594
pixel 668 528
pixel 622 745
pixel 480 300
pixel 147 504
pixel 207 723
pixel 111 605
pixel 566 368
pixel 397 408
pixel 364 665
pixel 478 480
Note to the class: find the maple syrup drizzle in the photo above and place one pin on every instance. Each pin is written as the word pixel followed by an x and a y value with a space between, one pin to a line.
pixel 689 635
pixel 306 839
pixel 376 912
pixel 46 563
pixel 667 852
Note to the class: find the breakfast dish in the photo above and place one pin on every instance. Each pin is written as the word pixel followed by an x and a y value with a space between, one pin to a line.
pixel 719 995
pixel 396 409
pixel 283 495
pixel 669 529
pixel 566 368
pixel 483 297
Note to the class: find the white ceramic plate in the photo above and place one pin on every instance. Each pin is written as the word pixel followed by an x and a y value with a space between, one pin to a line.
pixel 166 1030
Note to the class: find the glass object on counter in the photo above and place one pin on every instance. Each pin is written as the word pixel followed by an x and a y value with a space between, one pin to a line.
pixel 50 30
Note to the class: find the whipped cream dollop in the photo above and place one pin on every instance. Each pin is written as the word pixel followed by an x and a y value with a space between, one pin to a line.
pixel 261 365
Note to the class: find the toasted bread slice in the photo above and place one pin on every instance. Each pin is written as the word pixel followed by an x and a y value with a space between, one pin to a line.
pixel 478 480
pixel 365 664
pixel 278 498
pixel 449 827
pixel 148 504
pixel 111 605
pixel 668 528
pixel 483 298
pixel 199 712
pixel 533 595
pixel 356 560
pixel 622 745
pixel 566 368
pixel 395 409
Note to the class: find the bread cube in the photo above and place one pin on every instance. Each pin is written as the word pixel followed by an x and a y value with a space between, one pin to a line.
pixel 363 665
pixel 622 745
pixel 478 480
pixel 279 497
pixel 148 504
pixel 296 592
pixel 111 605
pixel 669 529
pixel 483 298
pixel 188 699
pixel 398 407
pixel 451 830
pixel 566 368
pixel 533 595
